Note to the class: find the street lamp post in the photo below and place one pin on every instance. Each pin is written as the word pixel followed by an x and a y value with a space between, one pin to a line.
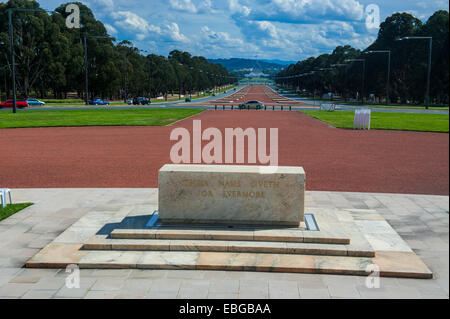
pixel 179 82
pixel 326 69
pixel 314 85
pixel 86 74
pixel 4 70
pixel 149 75
pixel 427 94
pixel 345 77
pixel 11 46
pixel 388 100
pixel 167 80
pixel 13 63
pixel 125 77
pixel 4 74
pixel 363 75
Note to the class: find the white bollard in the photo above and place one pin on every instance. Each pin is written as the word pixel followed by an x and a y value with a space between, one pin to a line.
pixel 362 119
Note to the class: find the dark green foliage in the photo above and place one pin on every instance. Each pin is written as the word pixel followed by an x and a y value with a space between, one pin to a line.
pixel 409 64
pixel 50 59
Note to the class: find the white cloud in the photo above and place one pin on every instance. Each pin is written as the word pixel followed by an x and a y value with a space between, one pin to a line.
pixel 107 4
pixel 299 11
pixel 132 22
pixel 206 7
pixel 111 30
pixel 236 7
pixel 220 38
pixel 175 34
pixel 183 5
pixel 281 29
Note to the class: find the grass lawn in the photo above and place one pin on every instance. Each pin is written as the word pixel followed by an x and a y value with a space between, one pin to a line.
pixel 408 107
pixel 12 209
pixel 107 117
pixel 387 121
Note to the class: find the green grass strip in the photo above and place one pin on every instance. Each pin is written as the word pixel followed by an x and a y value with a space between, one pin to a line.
pixel 106 117
pixel 11 209
pixel 420 122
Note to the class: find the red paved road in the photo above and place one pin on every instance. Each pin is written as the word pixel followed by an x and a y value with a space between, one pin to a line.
pixel 334 159
pixel 260 93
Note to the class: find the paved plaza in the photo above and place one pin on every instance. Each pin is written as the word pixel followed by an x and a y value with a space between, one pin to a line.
pixel 421 220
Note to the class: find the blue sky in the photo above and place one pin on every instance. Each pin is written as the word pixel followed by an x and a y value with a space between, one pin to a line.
pixel 266 29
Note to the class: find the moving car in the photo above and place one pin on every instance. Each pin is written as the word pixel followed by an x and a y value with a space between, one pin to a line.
pixel 36 102
pixel 141 101
pixel 19 103
pixel 99 102
pixel 251 105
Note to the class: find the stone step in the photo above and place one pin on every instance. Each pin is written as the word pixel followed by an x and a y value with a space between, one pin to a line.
pixel 239 262
pixel 271 235
pixel 99 243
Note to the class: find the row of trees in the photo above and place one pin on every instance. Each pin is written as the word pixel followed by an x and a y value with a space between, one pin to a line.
pixel 49 59
pixel 409 64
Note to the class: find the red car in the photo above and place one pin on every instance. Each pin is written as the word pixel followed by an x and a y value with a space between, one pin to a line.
pixel 19 103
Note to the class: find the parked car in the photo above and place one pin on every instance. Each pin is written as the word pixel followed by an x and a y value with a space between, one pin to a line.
pixel 130 101
pixel 141 101
pixel 188 99
pixel 19 103
pixel 36 102
pixel 99 102
pixel 251 105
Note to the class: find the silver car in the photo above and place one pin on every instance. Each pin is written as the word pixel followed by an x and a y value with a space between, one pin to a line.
pixel 257 105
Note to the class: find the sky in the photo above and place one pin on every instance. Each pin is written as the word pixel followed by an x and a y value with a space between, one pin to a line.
pixel 288 30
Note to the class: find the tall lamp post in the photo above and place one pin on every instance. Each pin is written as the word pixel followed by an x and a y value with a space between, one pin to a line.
pixel 86 74
pixel 363 75
pixel 11 46
pixel 4 68
pixel 345 77
pixel 4 74
pixel 149 74
pixel 388 100
pixel 427 94
pixel 125 77
pixel 314 85
pixel 323 70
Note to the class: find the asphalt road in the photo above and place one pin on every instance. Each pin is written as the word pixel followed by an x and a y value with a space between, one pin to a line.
pixel 172 105
pixel 346 107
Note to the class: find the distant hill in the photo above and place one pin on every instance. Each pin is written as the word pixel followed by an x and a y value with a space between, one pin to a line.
pixel 236 65
pixel 280 62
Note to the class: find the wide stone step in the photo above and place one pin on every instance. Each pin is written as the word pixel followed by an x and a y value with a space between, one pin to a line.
pixel 226 246
pixel 226 261
pixel 272 235
pixel 360 266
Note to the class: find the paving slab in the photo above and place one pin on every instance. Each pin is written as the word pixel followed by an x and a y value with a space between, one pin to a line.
pixel 407 214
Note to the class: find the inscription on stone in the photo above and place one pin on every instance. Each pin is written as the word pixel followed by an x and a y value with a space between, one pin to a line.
pixel 231 195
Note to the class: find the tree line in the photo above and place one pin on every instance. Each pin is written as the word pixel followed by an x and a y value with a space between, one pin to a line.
pixel 334 73
pixel 49 59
